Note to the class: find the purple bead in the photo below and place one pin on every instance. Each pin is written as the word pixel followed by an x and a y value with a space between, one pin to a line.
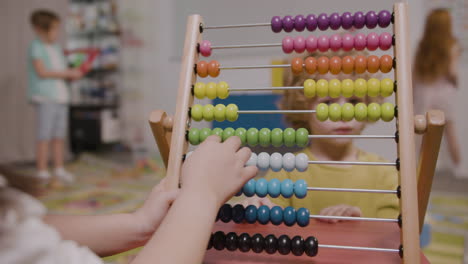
pixel 311 43
pixel 288 23
pixel 288 45
pixel 323 43
pixel 360 41
pixel 299 44
pixel 276 24
pixel 359 20
pixel 384 18
pixel 335 21
pixel 311 22
pixel 323 22
pixel 372 41
pixel 371 19
pixel 299 23
pixel 347 20
pixel 347 42
pixel 335 42
pixel 385 41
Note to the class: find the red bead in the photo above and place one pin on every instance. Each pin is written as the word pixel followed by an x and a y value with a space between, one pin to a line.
pixel 310 65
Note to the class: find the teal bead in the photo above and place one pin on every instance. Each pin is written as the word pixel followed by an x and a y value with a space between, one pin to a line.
pixel 287 188
pixel 289 137
pixel 274 188
pixel 228 132
pixel 264 137
pixel 252 136
pixel 276 215
pixel 204 133
pixel 251 214
pixel 303 217
pixel 242 134
pixel 217 131
pixel 302 137
pixel 300 189
pixel 249 188
pixel 263 214
pixel 289 216
pixel 194 136
pixel 277 137
pixel 261 187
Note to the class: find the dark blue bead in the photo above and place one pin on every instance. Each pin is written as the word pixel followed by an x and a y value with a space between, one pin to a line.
pixel 249 188
pixel 302 216
pixel 289 216
pixel 261 188
pixel 263 215
pixel 276 215
pixel 251 214
pixel 238 212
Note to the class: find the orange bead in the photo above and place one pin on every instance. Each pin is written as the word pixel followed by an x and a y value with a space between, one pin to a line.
pixel 322 64
pixel 310 65
pixel 373 64
pixel 213 68
pixel 386 63
pixel 297 65
pixel 202 69
pixel 347 64
pixel 360 64
pixel 335 65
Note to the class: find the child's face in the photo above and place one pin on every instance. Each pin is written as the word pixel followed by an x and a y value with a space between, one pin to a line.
pixel 50 36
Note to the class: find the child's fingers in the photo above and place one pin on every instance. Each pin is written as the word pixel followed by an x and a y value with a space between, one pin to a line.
pixel 244 155
pixel 248 173
pixel 268 202
pixel 233 143
pixel 213 138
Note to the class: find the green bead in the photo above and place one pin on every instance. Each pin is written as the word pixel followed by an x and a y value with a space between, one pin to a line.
pixel 373 87
pixel 217 131
pixel 231 112
pixel 228 132
pixel 360 112
pixel 322 112
pixel 222 90
pixel 194 136
pixel 334 112
pixel 302 137
pixel 242 134
pixel 204 133
pixel 373 112
pixel 334 88
pixel 386 87
pixel 360 87
pixel 208 112
pixel 347 87
pixel 277 137
pixel 210 90
pixel 220 112
pixel 289 137
pixel 264 137
pixel 309 88
pixel 252 136
pixel 196 112
pixel 347 112
pixel 322 88
pixel 199 90
pixel 388 112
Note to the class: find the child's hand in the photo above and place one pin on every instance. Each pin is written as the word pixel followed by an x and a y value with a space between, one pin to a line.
pixel 217 170
pixel 257 202
pixel 74 74
pixel 340 210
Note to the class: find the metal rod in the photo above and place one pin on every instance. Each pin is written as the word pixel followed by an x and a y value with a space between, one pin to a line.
pixel 276 111
pixel 238 26
pixel 350 218
pixel 353 163
pixel 351 190
pixel 256 67
pixel 361 248
pixel 267 88
pixel 353 136
pixel 247 46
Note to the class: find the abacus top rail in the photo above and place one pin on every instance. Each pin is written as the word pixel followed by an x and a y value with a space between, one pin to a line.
pixel 238 26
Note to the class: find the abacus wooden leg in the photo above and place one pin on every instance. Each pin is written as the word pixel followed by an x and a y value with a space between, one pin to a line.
pixel 161 126
pixel 429 153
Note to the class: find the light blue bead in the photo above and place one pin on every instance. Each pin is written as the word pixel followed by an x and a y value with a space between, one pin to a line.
pixel 300 189
pixel 302 216
pixel 287 188
pixel 261 188
pixel 289 216
pixel 274 188
pixel 250 214
pixel 249 188
pixel 263 214
pixel 276 215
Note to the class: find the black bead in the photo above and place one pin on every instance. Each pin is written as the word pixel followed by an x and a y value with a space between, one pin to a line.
pixel 244 242
pixel 284 244
pixel 393 18
pixel 200 27
pixel 210 243
pixel 271 244
pixel 219 239
pixel 257 243
pixel 225 213
pixel 297 246
pixel 311 246
pixel 400 221
pixel 238 212
pixel 231 241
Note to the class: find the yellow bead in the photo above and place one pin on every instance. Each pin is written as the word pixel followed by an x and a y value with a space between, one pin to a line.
pixel 208 112
pixel 334 88
pixel 373 87
pixel 388 112
pixel 309 88
pixel 222 90
pixel 347 87
pixel 373 112
pixel 220 112
pixel 322 112
pixel 360 87
pixel 231 112
pixel 210 91
pixel 334 112
pixel 347 112
pixel 199 90
pixel 322 88
pixel 386 87
pixel 360 112
pixel 196 112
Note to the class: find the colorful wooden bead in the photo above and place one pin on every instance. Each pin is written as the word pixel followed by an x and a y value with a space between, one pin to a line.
pixel 194 136
pixel 311 22
pixel 252 160
pixel 288 44
pixel 322 88
pixel 219 240
pixel 360 87
pixel 299 44
pixel 208 112
pixel 232 112
pixel 385 41
pixel 311 43
pixel 213 68
pixel 334 112
pixel 261 187
pixel 249 189
pixel 309 88
pixel 335 42
pixel 231 241
pixel 310 65
pixel 202 69
pixel 360 41
pixel 335 65
pixel 222 90
pixel 258 243
pixel 263 214
pixel 242 134
pixel 297 65
pixel 334 88
pixel 360 64
pixel 220 112
pixel 297 246
pixel 211 90
pixel 386 87
pixel 311 246
pixel 276 24
pixel 263 161
pixel 299 23
pixel 276 215
pixel 302 137
pixel 217 131
pixel 335 21
pixel 323 43
pixel 204 133
pixel 289 216
pixel 225 213
pixel 287 188
pixel 289 162
pixel 373 87
pixel 288 23
pixel 277 137
pixel 388 112
pixel 199 90
pixel 359 20
pixel 360 112
pixel 303 216
pixel 323 22
pixel 323 64
pixel 302 162
pixel 252 136
pixel 250 213
pixel 371 20
pixel 271 244
pixel 205 48
pixel 347 64
pixel 373 112
pixel 347 112
pixel 284 245
pixel 196 112
pixel 384 18
pixel 322 112
pixel 386 63
pixel 372 41
pixel 276 161
pixel 347 88
pixel 300 189
pixel 289 137
pixel 264 137
pixel 347 42
pixel 244 242
pixel 347 20
pixel 373 64
pixel 227 133
pixel 274 188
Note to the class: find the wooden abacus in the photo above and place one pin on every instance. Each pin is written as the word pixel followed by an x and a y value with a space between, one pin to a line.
pixel 174 134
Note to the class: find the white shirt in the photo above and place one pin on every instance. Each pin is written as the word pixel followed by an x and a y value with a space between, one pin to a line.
pixel 57 64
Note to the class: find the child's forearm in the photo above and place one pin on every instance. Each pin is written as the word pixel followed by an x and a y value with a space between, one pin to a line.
pixel 43 72
pixel 104 234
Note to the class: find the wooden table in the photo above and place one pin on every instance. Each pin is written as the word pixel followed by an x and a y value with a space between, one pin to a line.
pixel 352 233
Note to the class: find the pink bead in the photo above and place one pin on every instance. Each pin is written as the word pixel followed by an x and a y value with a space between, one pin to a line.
pixel 335 42
pixel 323 43
pixel 311 43
pixel 288 45
pixel 360 41
pixel 372 41
pixel 385 41
pixel 205 48
pixel 299 44
pixel 347 42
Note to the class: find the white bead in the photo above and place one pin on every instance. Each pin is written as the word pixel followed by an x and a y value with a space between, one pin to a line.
pixel 289 161
pixel 276 161
pixel 302 162
pixel 263 161
pixel 252 160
